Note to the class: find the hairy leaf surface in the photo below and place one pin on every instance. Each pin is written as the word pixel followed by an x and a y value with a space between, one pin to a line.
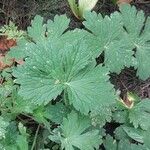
pixel 39 32
pixel 106 36
pixel 123 37
pixel 51 69
pixel 139 35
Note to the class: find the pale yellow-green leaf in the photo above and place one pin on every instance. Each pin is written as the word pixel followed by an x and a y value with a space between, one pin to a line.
pixel 74 7
pixel 86 5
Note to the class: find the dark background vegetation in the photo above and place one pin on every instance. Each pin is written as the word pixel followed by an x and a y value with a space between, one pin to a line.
pixel 22 11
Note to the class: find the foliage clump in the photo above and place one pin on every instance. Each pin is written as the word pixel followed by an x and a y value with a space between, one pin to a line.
pixel 66 95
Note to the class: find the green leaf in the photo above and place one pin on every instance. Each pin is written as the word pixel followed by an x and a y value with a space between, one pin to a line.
pixel 20 105
pixel 138 147
pixel 89 90
pixel 20 51
pixel 133 21
pixel 45 75
pixel 126 145
pixel 22 142
pixel 126 133
pixel 39 32
pixel 110 143
pixel 107 35
pixel 6 88
pixel 56 112
pixel 37 29
pixel 39 115
pixel 136 134
pixel 56 28
pixel 120 116
pixel 118 55
pixel 13 140
pixel 3 126
pixel 123 38
pixel 100 116
pixel 75 134
pixel 101 28
pixel 146 138
pixel 120 134
pixel 139 115
pixel 10 137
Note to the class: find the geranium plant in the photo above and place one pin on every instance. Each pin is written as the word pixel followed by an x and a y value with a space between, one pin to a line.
pixel 69 96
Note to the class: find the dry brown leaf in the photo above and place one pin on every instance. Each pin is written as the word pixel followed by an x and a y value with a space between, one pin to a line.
pixel 5 43
pixel 119 2
pixel 4 62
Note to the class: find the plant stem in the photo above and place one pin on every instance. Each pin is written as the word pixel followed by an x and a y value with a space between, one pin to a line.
pixel 35 137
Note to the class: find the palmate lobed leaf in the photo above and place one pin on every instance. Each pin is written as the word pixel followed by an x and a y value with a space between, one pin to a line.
pixel 140 114
pixel 106 36
pixel 101 27
pixel 127 145
pixel 118 35
pixel 136 134
pixel 37 32
pixel 51 69
pixel 112 144
pixel 87 91
pixel 127 132
pixel 37 29
pixel 74 133
pixel 139 35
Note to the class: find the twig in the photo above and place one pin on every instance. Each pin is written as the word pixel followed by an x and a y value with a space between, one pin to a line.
pixel 35 137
